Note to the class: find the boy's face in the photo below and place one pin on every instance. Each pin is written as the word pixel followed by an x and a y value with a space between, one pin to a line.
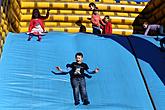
pixel 79 59
pixel 106 19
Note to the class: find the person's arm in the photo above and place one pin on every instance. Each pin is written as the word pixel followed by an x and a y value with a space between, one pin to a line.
pixel 147 30
pixel 87 75
pixel 101 21
pixel 92 71
pixel 47 15
pixel 61 71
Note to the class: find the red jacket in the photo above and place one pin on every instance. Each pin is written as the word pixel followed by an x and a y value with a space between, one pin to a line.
pixel 107 29
pixel 34 22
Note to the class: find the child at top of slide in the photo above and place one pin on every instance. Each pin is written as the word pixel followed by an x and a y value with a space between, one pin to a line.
pixel 36 26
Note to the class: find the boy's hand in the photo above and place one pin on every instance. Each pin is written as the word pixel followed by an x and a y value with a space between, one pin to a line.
pixel 58 68
pixel 97 70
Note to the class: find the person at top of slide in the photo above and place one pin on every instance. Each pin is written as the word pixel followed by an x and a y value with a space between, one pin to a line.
pixel 36 26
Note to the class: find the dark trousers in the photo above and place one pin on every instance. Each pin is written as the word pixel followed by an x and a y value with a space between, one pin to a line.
pixel 96 31
pixel 79 87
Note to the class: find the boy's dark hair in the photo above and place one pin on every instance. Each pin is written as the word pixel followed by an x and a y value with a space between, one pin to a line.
pixel 79 54
pixel 92 4
pixel 106 16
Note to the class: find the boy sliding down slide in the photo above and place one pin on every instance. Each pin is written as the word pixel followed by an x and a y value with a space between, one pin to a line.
pixel 77 78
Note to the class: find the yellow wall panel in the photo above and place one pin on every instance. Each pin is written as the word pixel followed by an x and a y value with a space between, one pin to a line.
pixel 129 21
pixel 134 15
pixel 24 29
pixel 58 5
pixel 72 30
pixel 65 11
pixel 50 24
pixel 65 24
pixel 73 5
pixel 109 13
pixel 124 2
pixel 116 20
pixel 59 17
pixel 123 14
pixel 108 1
pixel 85 6
pixel 80 12
pixel 58 29
pixel 101 7
pixel 26 17
pixel 43 4
pixel 129 9
pixel 27 4
pixel 73 18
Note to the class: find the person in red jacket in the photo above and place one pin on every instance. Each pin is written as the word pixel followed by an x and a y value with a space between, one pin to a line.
pixel 96 22
pixel 36 26
pixel 107 28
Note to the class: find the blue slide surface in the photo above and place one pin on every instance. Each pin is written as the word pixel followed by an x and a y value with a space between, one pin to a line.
pixel 27 82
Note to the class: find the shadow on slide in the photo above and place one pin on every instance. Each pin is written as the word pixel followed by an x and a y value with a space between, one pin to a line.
pixel 145 50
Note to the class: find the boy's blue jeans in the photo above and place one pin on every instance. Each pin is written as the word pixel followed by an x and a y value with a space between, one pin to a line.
pixel 79 86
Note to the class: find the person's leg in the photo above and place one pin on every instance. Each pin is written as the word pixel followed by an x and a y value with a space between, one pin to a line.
pixel 75 87
pixel 83 92
pixel 96 31
pixel 29 38
pixel 39 38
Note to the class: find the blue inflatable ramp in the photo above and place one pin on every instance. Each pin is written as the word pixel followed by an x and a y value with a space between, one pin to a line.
pixel 27 83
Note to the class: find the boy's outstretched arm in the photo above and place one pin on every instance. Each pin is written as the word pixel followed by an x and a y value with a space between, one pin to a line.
pixel 94 71
pixel 87 75
pixel 62 72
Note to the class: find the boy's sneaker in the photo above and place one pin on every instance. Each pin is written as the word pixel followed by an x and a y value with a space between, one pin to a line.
pixel 86 102
pixel 76 103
